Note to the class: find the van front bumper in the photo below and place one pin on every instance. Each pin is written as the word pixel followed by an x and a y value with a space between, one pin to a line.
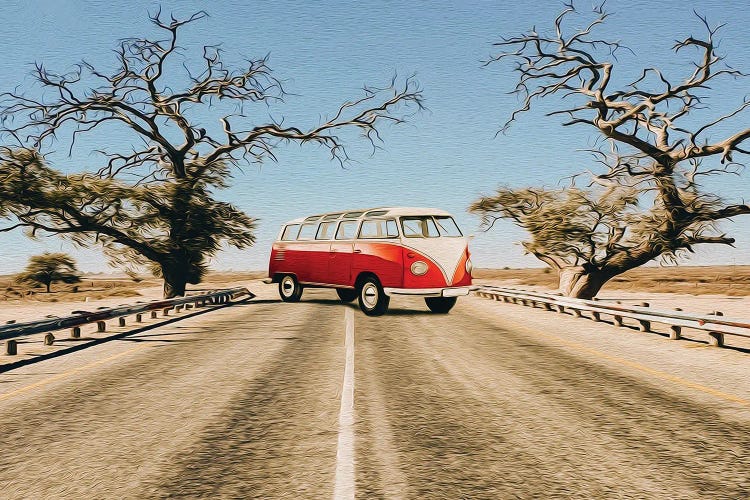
pixel 457 291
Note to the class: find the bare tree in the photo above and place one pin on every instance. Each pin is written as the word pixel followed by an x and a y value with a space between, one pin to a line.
pixel 156 93
pixel 659 146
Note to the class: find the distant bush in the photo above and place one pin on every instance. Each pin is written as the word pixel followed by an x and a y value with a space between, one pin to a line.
pixel 48 268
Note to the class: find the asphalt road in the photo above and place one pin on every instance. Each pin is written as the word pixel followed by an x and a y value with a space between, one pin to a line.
pixel 316 400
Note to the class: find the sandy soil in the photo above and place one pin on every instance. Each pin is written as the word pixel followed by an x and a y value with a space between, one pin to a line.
pixel 30 310
pixel 737 307
pixel 733 306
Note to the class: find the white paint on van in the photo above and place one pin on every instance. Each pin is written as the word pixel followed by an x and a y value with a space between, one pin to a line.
pixel 446 252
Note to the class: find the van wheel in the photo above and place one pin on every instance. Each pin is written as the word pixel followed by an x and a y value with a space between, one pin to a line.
pixel 346 294
pixel 290 289
pixel 440 305
pixel 372 300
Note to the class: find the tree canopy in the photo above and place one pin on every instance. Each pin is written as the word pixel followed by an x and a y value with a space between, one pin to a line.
pixel 49 268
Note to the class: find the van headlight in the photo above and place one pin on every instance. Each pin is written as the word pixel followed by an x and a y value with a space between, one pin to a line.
pixel 469 266
pixel 419 268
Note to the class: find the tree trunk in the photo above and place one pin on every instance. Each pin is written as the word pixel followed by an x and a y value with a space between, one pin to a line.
pixel 49 285
pixel 175 282
pixel 582 283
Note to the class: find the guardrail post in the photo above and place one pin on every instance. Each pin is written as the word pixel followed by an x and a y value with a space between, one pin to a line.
pixel 138 318
pixel 675 331
pixel 11 347
pixel 643 325
pixel 177 309
pixel 121 321
pixel 154 314
pixel 576 313
pixel 49 339
pixel 546 306
pixel 716 339
pixel 595 316
pixel 75 332
pixel 197 304
pixel 188 306
pixel 101 326
pixel 166 311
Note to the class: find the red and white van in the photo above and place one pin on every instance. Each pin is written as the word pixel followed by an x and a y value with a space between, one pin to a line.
pixel 372 255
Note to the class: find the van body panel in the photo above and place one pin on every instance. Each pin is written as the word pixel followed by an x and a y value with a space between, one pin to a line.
pixel 433 278
pixel 382 258
pixel 339 264
pixel 462 277
pixel 305 259
pixel 444 257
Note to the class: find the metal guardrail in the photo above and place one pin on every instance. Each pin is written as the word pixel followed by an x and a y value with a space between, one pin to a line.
pixel 714 324
pixel 10 332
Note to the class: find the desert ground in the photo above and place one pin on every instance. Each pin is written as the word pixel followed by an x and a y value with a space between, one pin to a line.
pixel 696 289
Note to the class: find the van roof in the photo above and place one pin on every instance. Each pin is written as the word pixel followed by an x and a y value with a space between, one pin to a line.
pixel 368 212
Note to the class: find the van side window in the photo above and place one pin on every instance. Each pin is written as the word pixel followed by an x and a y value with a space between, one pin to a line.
pixel 378 229
pixel 347 230
pixel 391 228
pixel 290 232
pixel 419 227
pixel 325 231
pixel 307 232
pixel 447 226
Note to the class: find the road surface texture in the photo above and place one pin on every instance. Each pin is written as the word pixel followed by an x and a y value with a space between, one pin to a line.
pixel 315 400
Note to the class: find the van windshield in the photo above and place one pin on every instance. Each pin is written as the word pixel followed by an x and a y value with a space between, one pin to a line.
pixel 429 227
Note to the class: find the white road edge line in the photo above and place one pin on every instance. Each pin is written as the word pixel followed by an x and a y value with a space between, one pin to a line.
pixel 344 488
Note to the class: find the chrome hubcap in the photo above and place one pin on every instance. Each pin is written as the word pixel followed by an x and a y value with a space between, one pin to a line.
pixel 370 295
pixel 287 285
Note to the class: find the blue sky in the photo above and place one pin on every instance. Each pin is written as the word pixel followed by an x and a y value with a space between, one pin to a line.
pixel 325 52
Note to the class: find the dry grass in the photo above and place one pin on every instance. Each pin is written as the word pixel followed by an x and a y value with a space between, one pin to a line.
pixel 93 287
pixel 693 280
pixel 719 280
pixel 97 287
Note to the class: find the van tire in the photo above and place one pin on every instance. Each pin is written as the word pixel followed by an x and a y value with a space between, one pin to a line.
pixel 440 305
pixel 372 299
pixel 346 294
pixel 289 288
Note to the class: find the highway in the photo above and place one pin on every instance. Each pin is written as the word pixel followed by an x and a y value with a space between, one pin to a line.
pixel 316 400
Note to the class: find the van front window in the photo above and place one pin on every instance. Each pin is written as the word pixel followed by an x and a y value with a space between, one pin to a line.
pixel 447 226
pixel 419 227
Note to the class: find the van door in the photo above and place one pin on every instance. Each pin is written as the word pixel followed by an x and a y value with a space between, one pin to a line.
pixel 340 254
pixel 319 254
pixel 378 250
